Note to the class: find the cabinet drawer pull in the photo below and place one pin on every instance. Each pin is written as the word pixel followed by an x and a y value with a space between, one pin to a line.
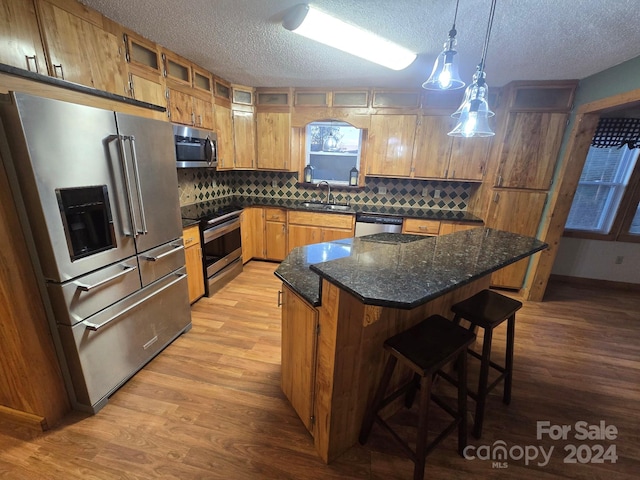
pixel 279 298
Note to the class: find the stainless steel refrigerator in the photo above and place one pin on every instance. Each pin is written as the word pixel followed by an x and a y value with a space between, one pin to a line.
pixel 99 198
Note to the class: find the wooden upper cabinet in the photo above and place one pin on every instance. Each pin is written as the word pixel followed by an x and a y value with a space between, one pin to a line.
pixel 432 147
pixel 180 107
pixel 177 70
pixel 530 149
pixel 19 24
pixel 469 158
pixel 80 51
pixel 203 116
pixel 244 139
pixel 437 155
pixel 390 149
pixel 273 139
pixel 225 137
pixel 146 81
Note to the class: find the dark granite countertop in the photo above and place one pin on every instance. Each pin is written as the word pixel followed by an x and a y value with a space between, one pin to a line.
pixel 398 272
pixel 408 212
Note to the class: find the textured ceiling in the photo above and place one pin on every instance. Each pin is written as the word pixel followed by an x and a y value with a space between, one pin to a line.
pixel 244 42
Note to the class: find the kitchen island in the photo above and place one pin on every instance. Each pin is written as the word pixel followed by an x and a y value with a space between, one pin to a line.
pixel 342 299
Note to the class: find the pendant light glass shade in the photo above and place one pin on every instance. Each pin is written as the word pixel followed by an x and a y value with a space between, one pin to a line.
pixel 330 143
pixel 444 75
pixel 473 114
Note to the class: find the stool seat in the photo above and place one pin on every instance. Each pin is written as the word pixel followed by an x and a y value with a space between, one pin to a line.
pixel 425 348
pixel 429 345
pixel 488 309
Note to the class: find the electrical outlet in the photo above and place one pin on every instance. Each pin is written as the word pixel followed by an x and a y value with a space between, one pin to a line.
pixel 619 259
pixel 425 192
pixel 382 190
pixel 436 194
pixel 274 184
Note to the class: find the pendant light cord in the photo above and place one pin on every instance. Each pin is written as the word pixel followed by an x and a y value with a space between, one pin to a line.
pixel 486 40
pixel 453 32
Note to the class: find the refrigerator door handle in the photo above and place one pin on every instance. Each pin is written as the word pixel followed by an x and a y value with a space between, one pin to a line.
pixel 176 248
pixel 136 173
pixel 87 288
pixel 127 184
pixel 95 327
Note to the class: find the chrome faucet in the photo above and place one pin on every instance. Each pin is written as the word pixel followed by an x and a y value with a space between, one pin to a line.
pixel 328 200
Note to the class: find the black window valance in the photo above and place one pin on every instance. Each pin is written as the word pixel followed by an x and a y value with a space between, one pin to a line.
pixel 616 132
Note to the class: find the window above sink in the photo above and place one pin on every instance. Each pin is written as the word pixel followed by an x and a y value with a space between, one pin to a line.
pixel 332 150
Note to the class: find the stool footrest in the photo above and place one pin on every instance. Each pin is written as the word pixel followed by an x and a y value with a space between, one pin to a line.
pixel 475 354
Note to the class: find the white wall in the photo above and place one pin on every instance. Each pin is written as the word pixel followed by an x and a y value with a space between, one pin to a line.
pixel 596 259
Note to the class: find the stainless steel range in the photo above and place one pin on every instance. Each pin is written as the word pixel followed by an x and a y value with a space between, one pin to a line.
pixel 99 197
pixel 221 241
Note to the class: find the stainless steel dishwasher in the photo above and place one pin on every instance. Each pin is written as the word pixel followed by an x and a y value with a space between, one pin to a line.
pixel 370 223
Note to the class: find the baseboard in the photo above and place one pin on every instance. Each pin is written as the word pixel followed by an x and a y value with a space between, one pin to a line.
pixel 23 418
pixel 594 282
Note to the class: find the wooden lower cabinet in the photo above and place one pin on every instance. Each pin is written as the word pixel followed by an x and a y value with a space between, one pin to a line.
pixel 452 227
pixel 517 211
pixel 252 233
pixel 421 227
pixel 299 346
pixel 275 233
pixel 305 228
pixel 193 256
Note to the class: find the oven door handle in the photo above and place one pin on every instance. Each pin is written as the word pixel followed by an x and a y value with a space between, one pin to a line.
pixel 87 288
pixel 176 248
pixel 219 230
pixel 97 326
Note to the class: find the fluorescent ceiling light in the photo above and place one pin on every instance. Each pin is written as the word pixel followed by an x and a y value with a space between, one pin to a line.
pixel 316 25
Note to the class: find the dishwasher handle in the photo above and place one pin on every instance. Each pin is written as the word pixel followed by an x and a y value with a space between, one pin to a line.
pixel 380 219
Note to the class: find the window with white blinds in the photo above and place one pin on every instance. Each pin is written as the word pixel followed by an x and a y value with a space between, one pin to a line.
pixel 602 184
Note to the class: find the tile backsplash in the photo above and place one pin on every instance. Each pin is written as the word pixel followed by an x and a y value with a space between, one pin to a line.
pixel 198 185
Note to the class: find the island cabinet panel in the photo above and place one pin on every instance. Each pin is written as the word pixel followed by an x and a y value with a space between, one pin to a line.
pixel 299 341
pixel 18 23
pixel 530 149
pixel 516 211
pixel 391 139
pixel 273 139
pixel 350 359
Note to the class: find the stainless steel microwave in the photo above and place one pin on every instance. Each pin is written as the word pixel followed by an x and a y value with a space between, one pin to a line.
pixel 195 148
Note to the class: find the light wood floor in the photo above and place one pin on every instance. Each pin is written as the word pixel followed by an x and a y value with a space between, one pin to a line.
pixel 210 406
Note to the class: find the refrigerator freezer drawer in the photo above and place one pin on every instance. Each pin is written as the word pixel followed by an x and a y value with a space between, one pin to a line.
pixel 79 299
pixel 160 261
pixel 137 328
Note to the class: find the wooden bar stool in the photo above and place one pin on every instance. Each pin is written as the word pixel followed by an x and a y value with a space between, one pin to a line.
pixel 488 309
pixel 425 349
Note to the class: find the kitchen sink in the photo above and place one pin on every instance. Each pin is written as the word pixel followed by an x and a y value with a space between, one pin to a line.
pixel 324 206
pixel 335 206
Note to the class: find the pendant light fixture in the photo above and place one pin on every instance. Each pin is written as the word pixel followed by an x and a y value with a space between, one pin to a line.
pixel 444 75
pixel 474 111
